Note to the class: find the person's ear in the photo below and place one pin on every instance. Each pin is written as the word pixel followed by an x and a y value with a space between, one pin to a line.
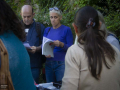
pixel 75 28
pixel 33 14
pixel 100 23
pixel 21 14
pixel 60 18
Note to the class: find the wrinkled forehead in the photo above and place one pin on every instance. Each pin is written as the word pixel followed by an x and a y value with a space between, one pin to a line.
pixel 53 14
pixel 26 13
pixel 57 12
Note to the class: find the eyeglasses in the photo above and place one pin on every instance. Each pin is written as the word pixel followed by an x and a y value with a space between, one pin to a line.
pixel 55 8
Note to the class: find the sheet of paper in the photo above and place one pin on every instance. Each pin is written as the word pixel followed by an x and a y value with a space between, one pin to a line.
pixel 47 47
pixel 27 45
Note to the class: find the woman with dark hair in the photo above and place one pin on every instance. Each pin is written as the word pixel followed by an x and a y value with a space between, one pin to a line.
pixel 11 34
pixel 110 37
pixel 92 63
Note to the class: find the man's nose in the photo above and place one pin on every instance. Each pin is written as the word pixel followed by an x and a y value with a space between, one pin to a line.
pixel 26 18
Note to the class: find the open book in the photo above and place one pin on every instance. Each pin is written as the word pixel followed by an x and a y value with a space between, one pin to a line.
pixel 47 47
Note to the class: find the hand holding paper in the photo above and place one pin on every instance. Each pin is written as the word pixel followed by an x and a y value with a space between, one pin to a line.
pixel 57 43
pixel 47 47
pixel 33 49
pixel 27 45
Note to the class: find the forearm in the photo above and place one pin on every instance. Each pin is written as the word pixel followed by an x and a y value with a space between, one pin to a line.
pixel 61 44
pixel 38 48
pixel 35 49
pixel 66 46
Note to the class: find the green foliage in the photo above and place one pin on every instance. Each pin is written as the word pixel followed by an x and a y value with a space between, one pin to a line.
pixel 113 22
pixel 110 9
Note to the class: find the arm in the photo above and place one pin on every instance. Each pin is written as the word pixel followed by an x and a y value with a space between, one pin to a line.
pixel 69 41
pixel 71 76
pixel 57 43
pixel 35 49
pixel 38 48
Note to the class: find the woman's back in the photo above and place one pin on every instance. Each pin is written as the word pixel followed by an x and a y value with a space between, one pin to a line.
pixel 94 64
pixel 78 76
pixel 19 62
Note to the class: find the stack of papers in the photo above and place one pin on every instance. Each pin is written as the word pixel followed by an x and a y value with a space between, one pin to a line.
pixel 47 47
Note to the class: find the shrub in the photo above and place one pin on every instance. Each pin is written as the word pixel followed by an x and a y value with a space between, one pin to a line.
pixel 109 8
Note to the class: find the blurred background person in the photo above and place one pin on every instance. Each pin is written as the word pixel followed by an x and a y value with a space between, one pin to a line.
pixel 110 37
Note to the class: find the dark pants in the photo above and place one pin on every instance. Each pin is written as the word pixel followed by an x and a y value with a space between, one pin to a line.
pixel 36 74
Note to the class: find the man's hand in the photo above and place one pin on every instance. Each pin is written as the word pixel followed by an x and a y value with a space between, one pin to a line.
pixel 33 49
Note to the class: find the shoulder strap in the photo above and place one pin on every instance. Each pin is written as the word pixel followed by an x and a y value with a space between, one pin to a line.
pixel 5 77
pixel 49 30
pixel 38 30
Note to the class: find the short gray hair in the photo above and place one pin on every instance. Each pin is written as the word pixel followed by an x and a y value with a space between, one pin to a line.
pixel 59 12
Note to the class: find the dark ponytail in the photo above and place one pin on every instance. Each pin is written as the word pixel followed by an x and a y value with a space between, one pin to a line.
pixel 95 46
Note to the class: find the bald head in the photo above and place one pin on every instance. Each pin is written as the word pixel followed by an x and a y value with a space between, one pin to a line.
pixel 27 14
pixel 27 8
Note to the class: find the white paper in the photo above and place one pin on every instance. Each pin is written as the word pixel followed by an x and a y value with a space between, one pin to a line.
pixel 26 30
pixel 27 45
pixel 47 48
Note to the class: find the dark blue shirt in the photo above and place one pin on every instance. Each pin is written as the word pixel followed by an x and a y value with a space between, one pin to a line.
pixel 63 34
pixel 33 39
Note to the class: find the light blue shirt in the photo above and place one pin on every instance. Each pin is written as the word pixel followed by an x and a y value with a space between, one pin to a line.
pixel 112 40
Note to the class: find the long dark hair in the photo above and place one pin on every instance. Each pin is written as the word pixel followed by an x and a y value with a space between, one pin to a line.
pixel 96 48
pixel 9 21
